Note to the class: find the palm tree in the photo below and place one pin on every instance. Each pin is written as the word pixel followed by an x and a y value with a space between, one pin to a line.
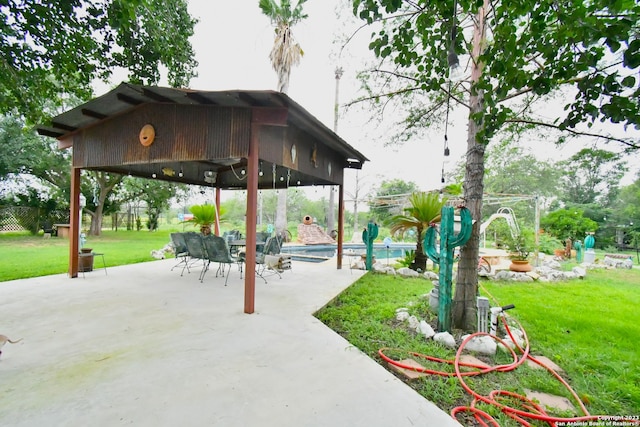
pixel 425 209
pixel 285 53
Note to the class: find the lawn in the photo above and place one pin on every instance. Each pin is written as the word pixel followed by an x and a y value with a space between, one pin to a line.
pixel 23 255
pixel 589 327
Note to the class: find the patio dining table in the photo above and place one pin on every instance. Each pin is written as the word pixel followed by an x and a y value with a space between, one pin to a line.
pixel 235 245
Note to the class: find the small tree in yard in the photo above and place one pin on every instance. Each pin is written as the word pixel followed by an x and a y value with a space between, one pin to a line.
pixel 568 224
pixel 425 209
pixel 512 54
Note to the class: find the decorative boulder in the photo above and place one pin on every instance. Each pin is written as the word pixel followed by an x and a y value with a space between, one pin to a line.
pixel 425 329
pixel 379 267
pixel 430 275
pixel 402 314
pixel 407 272
pixel 445 338
pixel 552 264
pixel 617 262
pixel 414 323
pixel 481 344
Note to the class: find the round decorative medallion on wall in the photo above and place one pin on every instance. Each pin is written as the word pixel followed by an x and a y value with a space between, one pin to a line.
pixel 147 135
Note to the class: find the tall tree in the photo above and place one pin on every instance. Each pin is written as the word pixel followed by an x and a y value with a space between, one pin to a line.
pixel 156 195
pixel 512 169
pixel 51 49
pixel 391 198
pixel 25 153
pixel 624 215
pixel 510 54
pixel 285 53
pixel 592 175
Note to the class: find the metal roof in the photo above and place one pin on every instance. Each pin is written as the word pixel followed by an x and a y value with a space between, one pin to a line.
pixel 128 96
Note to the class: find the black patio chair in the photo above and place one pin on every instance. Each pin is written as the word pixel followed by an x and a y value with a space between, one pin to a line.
pixel 270 260
pixel 197 251
pixel 218 251
pixel 181 251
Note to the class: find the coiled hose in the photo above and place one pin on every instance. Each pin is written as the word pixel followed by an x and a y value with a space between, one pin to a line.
pixel 528 409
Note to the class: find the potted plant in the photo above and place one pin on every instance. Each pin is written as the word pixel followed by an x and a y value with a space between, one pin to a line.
pixel 520 247
pixel 203 216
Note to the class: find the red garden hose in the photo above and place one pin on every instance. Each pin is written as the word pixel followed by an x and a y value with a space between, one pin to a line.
pixel 530 410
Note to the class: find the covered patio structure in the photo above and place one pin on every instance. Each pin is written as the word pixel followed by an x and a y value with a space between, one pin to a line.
pixel 236 139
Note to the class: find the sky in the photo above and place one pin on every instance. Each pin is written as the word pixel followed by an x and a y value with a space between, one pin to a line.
pixel 232 42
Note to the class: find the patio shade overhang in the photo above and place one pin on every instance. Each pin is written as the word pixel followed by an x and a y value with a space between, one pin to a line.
pixel 203 137
pixel 227 140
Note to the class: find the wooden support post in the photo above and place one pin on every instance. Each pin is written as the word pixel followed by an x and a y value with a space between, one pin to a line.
pixel 340 225
pixel 74 246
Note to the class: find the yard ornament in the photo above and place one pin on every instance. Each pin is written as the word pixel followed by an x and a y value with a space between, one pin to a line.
pixel 444 257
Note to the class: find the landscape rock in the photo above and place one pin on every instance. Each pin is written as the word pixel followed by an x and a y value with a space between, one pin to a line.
pixel 509 344
pixel 552 264
pixel 512 276
pixel 402 314
pixel 445 338
pixel 414 323
pixel 425 329
pixel 618 262
pixel 407 272
pixel 379 267
pixel 483 344
pixel 430 275
pixel 580 272
pixel 518 335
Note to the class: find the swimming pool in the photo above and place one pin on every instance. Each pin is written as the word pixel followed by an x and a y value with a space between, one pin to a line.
pixel 319 253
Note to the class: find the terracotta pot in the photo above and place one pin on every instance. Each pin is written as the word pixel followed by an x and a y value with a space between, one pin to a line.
pixel 520 266
pixel 205 229
pixel 307 220
pixel 85 261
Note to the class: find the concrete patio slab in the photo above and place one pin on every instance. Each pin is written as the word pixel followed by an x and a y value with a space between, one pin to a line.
pixel 143 346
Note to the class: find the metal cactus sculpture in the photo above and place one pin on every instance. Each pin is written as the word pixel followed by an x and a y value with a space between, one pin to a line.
pixel 589 253
pixel 444 257
pixel 577 245
pixel 589 241
pixel 368 236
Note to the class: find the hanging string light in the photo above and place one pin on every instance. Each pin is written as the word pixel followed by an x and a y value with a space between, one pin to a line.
pixel 453 62
pixel 273 174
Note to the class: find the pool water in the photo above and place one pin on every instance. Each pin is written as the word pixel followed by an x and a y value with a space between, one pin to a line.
pixel 319 253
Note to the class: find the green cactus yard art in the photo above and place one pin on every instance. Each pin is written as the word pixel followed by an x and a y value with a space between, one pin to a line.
pixel 368 236
pixel 444 257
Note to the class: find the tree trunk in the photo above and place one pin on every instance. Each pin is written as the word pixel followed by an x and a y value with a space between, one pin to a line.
pixel 281 211
pixel 331 216
pixel 420 260
pixel 107 183
pixel 466 289
pixel 96 221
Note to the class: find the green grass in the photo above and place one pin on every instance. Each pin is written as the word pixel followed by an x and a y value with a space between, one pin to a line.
pixel 24 256
pixel 589 327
